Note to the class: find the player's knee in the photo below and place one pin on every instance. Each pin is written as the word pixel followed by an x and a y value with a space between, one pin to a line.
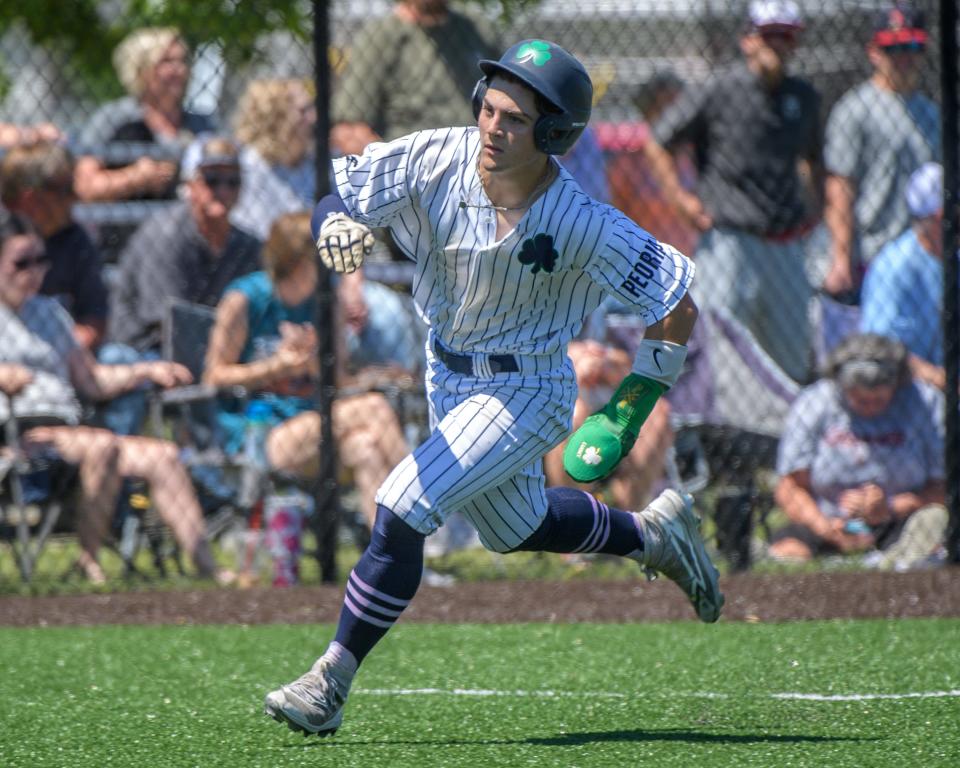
pixel 499 547
pixel 392 536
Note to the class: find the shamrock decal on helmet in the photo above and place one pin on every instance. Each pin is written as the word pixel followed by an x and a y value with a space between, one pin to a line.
pixel 535 51
pixel 540 252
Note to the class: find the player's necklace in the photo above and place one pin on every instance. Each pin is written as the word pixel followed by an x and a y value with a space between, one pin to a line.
pixel 545 180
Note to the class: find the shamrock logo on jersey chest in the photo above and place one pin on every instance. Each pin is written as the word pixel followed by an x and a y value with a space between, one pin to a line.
pixel 539 251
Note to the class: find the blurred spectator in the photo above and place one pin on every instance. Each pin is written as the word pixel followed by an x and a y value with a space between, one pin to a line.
pixel 903 287
pixel 37 182
pixel 274 125
pixel 878 133
pixel 412 69
pixel 861 460
pixel 153 65
pixel 42 369
pixel 755 132
pixel 264 340
pixel 634 188
pixel 24 135
pixel 190 251
pixel 389 335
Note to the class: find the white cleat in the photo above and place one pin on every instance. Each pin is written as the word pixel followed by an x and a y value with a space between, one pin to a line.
pixel 672 545
pixel 313 703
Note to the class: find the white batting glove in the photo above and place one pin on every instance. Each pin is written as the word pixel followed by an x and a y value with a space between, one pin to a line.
pixel 343 243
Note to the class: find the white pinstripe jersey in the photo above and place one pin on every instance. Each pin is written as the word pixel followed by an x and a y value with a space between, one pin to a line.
pixel 528 293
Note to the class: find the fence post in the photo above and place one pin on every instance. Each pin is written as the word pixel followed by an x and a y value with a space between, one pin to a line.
pixel 327 517
pixel 951 274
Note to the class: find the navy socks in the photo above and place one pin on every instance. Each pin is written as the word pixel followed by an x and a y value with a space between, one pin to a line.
pixel 381 585
pixel 388 573
pixel 577 522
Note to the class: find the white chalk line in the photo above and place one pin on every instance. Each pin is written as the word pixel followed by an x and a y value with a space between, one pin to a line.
pixel 547 694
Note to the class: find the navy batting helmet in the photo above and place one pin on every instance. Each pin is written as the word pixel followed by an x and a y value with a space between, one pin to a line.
pixel 558 78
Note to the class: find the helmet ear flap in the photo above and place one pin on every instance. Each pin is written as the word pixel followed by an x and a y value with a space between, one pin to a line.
pixel 479 92
pixel 551 134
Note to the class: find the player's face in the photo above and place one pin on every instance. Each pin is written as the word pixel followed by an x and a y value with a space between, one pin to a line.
pixel 506 122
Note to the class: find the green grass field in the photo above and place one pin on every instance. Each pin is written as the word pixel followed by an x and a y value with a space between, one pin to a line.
pixel 880 693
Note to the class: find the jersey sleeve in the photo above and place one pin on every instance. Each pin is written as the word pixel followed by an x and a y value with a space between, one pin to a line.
pixel 640 271
pixel 376 186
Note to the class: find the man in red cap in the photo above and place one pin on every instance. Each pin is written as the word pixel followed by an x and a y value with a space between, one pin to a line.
pixel 878 133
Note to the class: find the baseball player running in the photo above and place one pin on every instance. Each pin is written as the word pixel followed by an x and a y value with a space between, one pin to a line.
pixel 511 257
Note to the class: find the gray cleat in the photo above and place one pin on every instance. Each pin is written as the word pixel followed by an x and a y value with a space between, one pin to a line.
pixel 313 703
pixel 672 545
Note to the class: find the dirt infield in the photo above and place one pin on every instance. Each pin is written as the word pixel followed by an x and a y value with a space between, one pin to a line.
pixel 750 597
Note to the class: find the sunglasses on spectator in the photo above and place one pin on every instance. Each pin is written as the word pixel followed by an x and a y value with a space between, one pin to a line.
pixel 229 181
pixel 29 262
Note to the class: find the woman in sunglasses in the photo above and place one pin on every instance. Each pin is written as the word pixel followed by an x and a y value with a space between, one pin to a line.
pixel 43 371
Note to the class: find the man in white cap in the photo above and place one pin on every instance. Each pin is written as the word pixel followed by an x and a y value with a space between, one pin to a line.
pixel 756 137
pixel 903 288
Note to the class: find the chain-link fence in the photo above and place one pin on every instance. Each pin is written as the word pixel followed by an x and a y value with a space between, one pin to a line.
pixel 159 331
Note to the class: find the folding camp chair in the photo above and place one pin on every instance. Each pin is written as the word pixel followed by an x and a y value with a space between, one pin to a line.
pixel 33 492
pixel 832 322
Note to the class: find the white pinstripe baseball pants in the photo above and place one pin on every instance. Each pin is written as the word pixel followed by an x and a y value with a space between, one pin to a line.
pixel 484 454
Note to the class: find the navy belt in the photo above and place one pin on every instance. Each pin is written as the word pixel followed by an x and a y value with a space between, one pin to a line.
pixel 464 364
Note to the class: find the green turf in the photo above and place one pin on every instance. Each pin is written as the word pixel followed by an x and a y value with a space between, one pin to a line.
pixel 590 695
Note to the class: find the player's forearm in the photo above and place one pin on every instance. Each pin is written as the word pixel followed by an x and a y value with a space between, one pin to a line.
pixel 678 325
pixel 607 436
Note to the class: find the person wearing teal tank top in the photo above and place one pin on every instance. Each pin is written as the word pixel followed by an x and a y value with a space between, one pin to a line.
pixel 264 340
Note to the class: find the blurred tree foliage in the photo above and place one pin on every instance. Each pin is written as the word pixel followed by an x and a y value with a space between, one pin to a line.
pixel 88 30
